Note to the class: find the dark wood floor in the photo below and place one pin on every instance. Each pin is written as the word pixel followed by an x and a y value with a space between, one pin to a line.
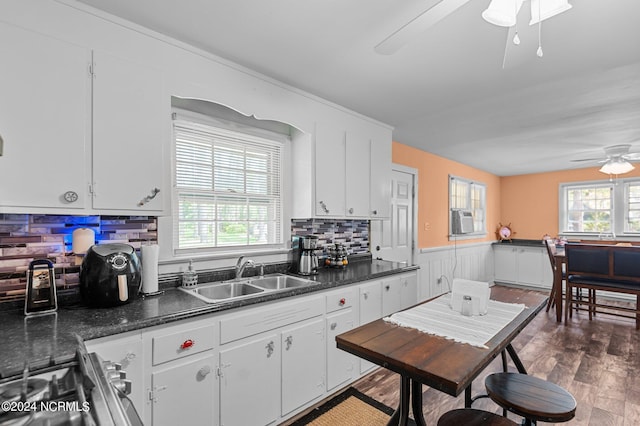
pixel 597 361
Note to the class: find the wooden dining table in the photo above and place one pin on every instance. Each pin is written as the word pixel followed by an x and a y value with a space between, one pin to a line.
pixel 443 364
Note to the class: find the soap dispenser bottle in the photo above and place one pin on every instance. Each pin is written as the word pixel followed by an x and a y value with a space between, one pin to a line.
pixel 190 277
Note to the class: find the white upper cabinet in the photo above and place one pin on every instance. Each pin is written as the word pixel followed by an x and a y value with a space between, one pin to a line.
pixel 77 144
pixel 380 176
pixel 358 168
pixel 329 166
pixel 343 171
pixel 130 127
pixel 44 122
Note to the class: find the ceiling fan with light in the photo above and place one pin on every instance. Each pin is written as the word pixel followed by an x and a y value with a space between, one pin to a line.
pixel 616 160
pixel 500 12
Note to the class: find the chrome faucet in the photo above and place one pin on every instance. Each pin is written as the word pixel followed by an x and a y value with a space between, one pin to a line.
pixel 240 266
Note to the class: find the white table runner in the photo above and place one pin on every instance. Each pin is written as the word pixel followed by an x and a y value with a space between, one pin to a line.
pixel 437 317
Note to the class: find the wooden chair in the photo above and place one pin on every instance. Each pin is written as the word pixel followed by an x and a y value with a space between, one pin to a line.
pixel 551 251
pixel 530 397
pixel 473 417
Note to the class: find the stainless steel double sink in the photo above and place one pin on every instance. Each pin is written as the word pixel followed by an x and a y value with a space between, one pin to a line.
pixel 245 287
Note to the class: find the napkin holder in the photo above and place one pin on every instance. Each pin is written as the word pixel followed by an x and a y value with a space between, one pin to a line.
pixel 478 290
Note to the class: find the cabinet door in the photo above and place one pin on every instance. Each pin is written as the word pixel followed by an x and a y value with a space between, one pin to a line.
pixel 530 265
pixel 408 291
pixel 128 353
pixel 357 174
pixel 330 170
pixel 340 364
pixel 250 382
pixel 183 392
pixel 380 181
pixel 505 264
pixel 130 126
pixel 370 310
pixel 303 363
pixel 44 121
pixel 391 296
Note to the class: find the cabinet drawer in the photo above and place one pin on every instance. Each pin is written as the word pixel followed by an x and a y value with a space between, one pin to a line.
pixel 182 343
pixel 340 299
pixel 269 318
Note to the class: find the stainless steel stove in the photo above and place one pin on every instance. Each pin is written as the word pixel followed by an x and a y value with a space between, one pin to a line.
pixel 85 391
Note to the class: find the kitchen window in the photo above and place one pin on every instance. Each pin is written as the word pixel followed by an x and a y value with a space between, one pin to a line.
pixel 601 208
pixel 467 199
pixel 228 187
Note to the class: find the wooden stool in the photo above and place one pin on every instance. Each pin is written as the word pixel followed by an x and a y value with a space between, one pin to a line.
pixel 473 417
pixel 530 397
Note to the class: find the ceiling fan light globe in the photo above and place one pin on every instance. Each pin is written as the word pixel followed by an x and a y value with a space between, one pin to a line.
pixel 502 12
pixel 616 167
pixel 545 9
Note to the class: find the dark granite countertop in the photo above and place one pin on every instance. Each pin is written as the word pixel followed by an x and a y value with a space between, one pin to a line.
pixel 521 242
pixel 52 339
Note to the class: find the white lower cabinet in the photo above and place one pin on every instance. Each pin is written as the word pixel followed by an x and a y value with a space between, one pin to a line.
pixel 303 377
pixel 370 310
pixel 398 293
pixel 250 382
pixel 259 365
pixel 341 365
pixel 183 392
pixel 522 265
pixel 181 373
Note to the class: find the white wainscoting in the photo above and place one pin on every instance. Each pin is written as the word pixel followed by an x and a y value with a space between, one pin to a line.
pixel 439 265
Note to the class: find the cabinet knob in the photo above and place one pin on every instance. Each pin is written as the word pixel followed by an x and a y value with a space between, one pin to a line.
pixel 334 325
pixel 187 344
pixel 70 196
pixel 342 301
pixel 351 210
pixel 365 295
pixel 387 287
pixel 204 371
pixel 324 206
pixel 374 212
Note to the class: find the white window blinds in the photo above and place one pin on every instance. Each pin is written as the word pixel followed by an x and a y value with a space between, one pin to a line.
pixel 228 187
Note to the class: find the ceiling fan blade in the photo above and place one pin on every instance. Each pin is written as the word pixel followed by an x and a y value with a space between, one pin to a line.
pixel 588 159
pixel 417 25
pixel 632 156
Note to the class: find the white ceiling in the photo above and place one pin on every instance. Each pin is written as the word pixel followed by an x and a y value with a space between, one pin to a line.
pixel 446 91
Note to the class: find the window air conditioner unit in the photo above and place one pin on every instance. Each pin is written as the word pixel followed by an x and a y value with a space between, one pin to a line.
pixel 461 222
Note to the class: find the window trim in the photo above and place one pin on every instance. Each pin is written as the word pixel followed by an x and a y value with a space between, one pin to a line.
pixel 475 234
pixel 283 140
pixel 618 212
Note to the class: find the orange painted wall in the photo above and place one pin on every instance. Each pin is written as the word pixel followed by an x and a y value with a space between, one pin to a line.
pixel 433 194
pixel 530 202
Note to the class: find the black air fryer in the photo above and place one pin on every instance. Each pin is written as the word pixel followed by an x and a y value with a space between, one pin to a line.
pixel 110 275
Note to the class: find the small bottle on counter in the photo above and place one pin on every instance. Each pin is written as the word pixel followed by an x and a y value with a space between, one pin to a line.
pixel 467 309
pixel 190 277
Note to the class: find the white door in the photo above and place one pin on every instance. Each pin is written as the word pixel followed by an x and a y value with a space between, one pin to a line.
pixel 392 239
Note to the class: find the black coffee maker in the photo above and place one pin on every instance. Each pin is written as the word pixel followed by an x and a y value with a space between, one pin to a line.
pixel 110 275
pixel 305 259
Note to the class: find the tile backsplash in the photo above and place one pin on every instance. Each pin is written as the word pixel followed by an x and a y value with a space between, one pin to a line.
pixel 24 237
pixel 354 234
